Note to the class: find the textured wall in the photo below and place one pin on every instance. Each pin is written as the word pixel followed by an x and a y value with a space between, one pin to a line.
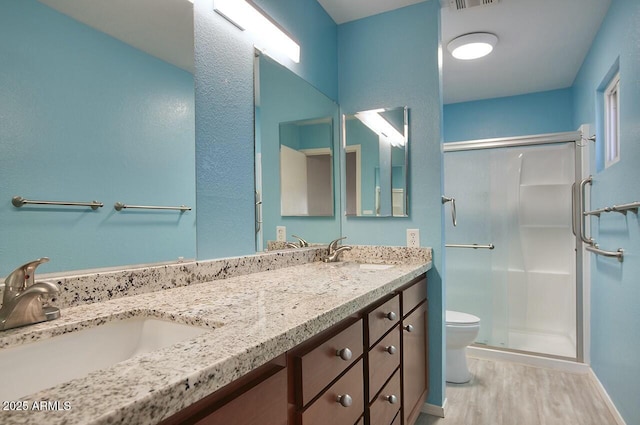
pixel 84 116
pixel 534 113
pixel 614 286
pixel 224 114
pixel 391 60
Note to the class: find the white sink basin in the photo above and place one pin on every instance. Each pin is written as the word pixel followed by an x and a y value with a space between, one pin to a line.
pixel 375 266
pixel 32 367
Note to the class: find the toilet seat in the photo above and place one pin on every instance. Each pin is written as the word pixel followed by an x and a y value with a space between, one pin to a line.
pixel 458 318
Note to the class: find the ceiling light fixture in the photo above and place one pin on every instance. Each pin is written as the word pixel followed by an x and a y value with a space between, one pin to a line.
pixel 472 46
pixel 379 125
pixel 247 17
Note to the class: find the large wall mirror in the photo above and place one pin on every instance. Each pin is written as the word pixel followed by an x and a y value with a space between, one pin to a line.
pixel 296 168
pixel 376 144
pixel 96 103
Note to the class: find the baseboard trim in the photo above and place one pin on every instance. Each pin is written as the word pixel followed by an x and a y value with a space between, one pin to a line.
pixel 435 410
pixel 607 400
pixel 527 359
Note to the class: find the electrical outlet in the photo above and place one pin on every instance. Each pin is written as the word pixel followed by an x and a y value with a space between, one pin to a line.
pixel 413 238
pixel 281 233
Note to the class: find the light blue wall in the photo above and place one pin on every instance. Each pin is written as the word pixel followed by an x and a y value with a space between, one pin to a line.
pixel 391 60
pixel 533 113
pixel 84 116
pixel 615 291
pixel 224 114
pixel 285 97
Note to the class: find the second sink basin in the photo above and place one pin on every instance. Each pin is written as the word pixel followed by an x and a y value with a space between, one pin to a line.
pixel 32 367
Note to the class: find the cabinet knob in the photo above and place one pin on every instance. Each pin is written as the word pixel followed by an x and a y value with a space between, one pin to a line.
pixel 408 328
pixel 392 399
pixel 345 400
pixel 391 349
pixel 344 354
pixel 391 315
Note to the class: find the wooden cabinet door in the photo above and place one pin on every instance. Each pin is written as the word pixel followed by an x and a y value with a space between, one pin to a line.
pixel 414 363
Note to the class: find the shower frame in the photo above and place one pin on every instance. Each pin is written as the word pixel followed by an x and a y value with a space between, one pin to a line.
pixel 581 140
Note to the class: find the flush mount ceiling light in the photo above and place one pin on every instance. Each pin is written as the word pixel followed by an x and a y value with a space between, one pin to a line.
pixel 472 46
pixel 246 17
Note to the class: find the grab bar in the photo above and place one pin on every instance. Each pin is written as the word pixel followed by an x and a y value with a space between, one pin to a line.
pixel 596 250
pixel 583 235
pixel 446 199
pixel 473 246
pixel 19 201
pixel 120 206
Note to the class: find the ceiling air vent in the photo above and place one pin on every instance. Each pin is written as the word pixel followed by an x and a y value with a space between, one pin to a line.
pixel 465 4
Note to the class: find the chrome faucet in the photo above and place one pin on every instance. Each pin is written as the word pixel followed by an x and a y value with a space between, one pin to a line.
pixel 333 252
pixel 22 300
pixel 301 242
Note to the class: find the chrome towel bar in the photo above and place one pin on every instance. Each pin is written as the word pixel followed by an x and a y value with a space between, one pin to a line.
pixel 120 206
pixel 619 253
pixel 622 209
pixel 19 201
pixel 473 246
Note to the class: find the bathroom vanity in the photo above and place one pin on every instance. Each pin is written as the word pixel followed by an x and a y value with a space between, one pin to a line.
pixel 289 340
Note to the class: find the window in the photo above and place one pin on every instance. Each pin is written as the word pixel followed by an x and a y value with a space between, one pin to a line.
pixel 612 121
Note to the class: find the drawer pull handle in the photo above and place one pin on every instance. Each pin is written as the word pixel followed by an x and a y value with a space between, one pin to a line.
pixel 391 349
pixel 391 315
pixel 408 328
pixel 345 400
pixel 392 399
pixel 345 354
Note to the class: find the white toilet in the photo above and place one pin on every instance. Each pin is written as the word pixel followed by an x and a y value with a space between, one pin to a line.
pixel 461 330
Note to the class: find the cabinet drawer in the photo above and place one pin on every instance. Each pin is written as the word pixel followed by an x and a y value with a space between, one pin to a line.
pixel 383 318
pixel 361 421
pixel 384 358
pixel 387 404
pixel 328 409
pixel 322 364
pixel 397 420
pixel 414 295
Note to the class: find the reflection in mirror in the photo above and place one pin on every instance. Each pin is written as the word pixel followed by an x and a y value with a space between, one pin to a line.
pixel 295 165
pixel 376 152
pixel 97 102
pixel 306 167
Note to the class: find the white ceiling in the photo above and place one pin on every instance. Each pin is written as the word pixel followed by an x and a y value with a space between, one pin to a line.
pixel 162 28
pixel 542 43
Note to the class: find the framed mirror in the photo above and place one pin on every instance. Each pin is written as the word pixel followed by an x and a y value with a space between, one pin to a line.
pixel 376 144
pixel 296 169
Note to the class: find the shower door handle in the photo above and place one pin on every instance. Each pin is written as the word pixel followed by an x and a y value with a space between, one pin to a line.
pixel 573 209
pixel 583 235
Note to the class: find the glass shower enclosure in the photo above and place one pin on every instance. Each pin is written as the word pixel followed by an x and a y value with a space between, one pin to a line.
pixel 517 200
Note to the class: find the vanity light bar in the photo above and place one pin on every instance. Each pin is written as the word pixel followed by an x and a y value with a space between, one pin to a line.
pixel 246 17
pixel 381 127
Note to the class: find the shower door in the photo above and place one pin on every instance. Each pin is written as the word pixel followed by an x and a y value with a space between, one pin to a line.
pixel 517 199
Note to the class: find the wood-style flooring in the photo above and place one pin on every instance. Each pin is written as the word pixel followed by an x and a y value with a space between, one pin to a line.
pixel 504 393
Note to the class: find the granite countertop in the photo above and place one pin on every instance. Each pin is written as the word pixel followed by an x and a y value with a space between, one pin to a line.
pixel 251 320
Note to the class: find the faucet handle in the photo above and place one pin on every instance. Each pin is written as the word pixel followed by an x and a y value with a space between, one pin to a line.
pixel 334 243
pixel 303 243
pixel 24 275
